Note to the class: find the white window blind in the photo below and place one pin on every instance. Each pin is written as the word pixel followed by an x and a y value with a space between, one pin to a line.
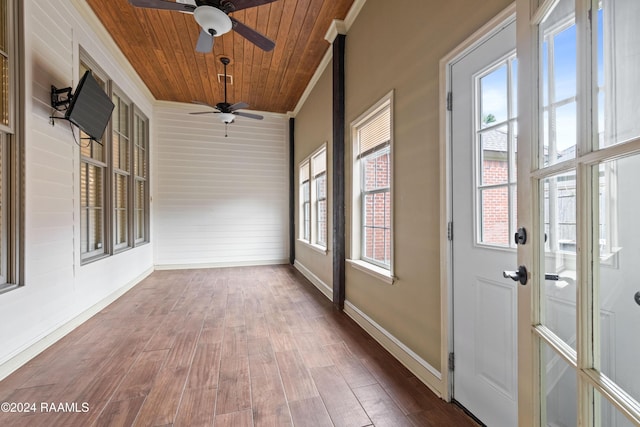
pixel 304 172
pixel 319 163
pixel 376 131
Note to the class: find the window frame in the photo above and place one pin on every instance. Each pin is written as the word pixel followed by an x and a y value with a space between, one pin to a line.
pixel 101 252
pixel 357 258
pixel 112 171
pixel 312 226
pixel 120 171
pixel 304 169
pixel 12 152
pixel 139 118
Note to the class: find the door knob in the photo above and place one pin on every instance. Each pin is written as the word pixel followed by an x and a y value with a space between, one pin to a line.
pixel 520 275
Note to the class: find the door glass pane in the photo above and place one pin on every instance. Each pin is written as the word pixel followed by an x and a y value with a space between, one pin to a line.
pixel 559 385
pixel 618 283
pixel 558 49
pixel 609 415
pixel 618 67
pixel 495 155
pixel 559 263
pixel 494 97
pixel 494 227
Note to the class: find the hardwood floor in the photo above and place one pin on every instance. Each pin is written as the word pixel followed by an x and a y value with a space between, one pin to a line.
pixel 254 346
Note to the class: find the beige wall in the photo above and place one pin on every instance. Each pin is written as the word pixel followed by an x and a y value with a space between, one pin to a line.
pixel 313 128
pixel 397 46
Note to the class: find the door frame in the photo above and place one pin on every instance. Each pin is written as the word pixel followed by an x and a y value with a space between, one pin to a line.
pixel 446 197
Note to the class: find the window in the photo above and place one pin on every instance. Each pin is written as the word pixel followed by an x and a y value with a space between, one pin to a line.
pixel 319 171
pixel 114 181
pixel 140 173
pixel 93 173
pixel 372 244
pixel 121 165
pixel 305 202
pixel 11 149
pixel 313 199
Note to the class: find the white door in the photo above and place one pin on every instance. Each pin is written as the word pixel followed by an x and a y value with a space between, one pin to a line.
pixel 580 154
pixel 483 148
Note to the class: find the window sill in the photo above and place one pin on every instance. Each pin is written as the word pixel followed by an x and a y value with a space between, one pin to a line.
pixel 317 248
pixel 8 287
pixel 373 270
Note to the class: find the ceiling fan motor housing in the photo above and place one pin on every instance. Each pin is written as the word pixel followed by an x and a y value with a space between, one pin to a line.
pixel 212 20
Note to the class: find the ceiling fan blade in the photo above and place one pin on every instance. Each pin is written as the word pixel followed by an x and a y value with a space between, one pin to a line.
pixel 205 42
pixel 163 4
pixel 252 35
pixel 206 112
pixel 245 4
pixel 238 106
pixel 249 115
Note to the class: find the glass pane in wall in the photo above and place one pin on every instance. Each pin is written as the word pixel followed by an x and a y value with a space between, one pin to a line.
pixel 120 216
pixel 3 27
pixel 4 90
pixel 494 97
pixel 617 278
pixel 559 263
pixel 558 47
pixel 618 67
pixel 559 389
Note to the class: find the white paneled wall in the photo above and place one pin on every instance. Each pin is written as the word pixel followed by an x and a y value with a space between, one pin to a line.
pixel 58 290
pixel 219 201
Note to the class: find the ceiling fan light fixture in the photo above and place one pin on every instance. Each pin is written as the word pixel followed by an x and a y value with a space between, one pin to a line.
pixel 227 117
pixel 212 20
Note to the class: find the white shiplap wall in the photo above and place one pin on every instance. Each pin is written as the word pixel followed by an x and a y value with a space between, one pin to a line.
pixel 219 201
pixel 59 290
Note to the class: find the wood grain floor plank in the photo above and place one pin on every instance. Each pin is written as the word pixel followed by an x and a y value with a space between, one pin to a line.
pixel 120 413
pixel 310 413
pixel 350 366
pixel 235 419
pixel 296 379
pixel 234 388
pixel 197 408
pixel 205 368
pixel 382 410
pixel 342 405
pixel 138 381
pixel 161 405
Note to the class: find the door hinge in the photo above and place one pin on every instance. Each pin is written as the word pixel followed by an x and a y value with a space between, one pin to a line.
pixel 450 231
pixel 449 101
pixel 452 361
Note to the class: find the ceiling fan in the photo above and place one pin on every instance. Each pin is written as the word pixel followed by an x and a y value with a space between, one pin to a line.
pixel 213 17
pixel 228 112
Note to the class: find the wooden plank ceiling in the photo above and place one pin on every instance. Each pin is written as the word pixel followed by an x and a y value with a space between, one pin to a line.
pixel 160 45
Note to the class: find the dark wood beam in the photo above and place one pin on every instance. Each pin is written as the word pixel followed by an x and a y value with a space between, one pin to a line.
pixel 292 189
pixel 339 253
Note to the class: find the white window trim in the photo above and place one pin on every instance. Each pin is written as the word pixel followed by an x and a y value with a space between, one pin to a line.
pixel 313 225
pixel 355 257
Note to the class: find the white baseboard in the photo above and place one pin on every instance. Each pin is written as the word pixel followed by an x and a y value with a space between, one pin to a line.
pixel 220 264
pixel 41 343
pixel 317 282
pixel 429 375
